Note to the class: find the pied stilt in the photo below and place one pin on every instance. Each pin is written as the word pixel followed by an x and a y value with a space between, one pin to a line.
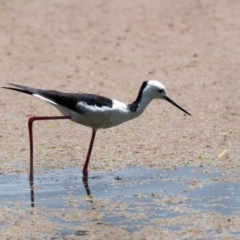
pixel 92 110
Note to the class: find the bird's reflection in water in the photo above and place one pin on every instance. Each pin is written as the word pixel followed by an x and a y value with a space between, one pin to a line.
pixel 32 196
pixel 31 183
pixel 85 184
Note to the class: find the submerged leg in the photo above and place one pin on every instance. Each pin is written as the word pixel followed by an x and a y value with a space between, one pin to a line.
pixel 30 124
pixel 85 184
pixel 85 168
pixel 32 192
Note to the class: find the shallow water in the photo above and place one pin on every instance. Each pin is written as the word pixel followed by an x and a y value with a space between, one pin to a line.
pixel 130 197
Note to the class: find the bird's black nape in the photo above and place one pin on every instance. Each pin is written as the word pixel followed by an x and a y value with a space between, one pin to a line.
pixel 134 105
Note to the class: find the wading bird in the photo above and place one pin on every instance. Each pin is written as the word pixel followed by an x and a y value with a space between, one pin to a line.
pixel 92 110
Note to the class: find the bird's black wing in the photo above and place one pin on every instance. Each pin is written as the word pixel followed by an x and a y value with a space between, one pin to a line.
pixel 69 100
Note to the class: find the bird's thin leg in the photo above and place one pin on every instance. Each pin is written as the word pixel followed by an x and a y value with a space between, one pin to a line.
pixel 85 168
pixel 30 124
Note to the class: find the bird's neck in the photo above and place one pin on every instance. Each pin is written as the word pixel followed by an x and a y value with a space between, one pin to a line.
pixel 140 104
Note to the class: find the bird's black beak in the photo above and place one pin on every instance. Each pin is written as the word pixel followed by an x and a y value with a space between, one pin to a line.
pixel 173 103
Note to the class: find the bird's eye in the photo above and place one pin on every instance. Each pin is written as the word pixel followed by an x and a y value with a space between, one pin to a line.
pixel 161 90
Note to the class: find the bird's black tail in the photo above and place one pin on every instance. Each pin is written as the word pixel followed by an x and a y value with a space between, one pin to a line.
pixel 20 88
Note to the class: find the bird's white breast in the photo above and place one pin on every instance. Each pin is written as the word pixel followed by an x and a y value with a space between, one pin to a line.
pixel 100 117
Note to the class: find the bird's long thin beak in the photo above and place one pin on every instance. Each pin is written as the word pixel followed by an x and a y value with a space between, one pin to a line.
pixel 173 103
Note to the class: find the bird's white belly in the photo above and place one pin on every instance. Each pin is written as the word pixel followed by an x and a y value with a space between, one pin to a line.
pixel 98 118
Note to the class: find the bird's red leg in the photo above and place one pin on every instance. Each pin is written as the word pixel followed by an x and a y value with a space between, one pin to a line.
pixel 30 124
pixel 85 168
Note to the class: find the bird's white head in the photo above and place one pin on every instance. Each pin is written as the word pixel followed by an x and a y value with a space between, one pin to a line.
pixel 153 89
